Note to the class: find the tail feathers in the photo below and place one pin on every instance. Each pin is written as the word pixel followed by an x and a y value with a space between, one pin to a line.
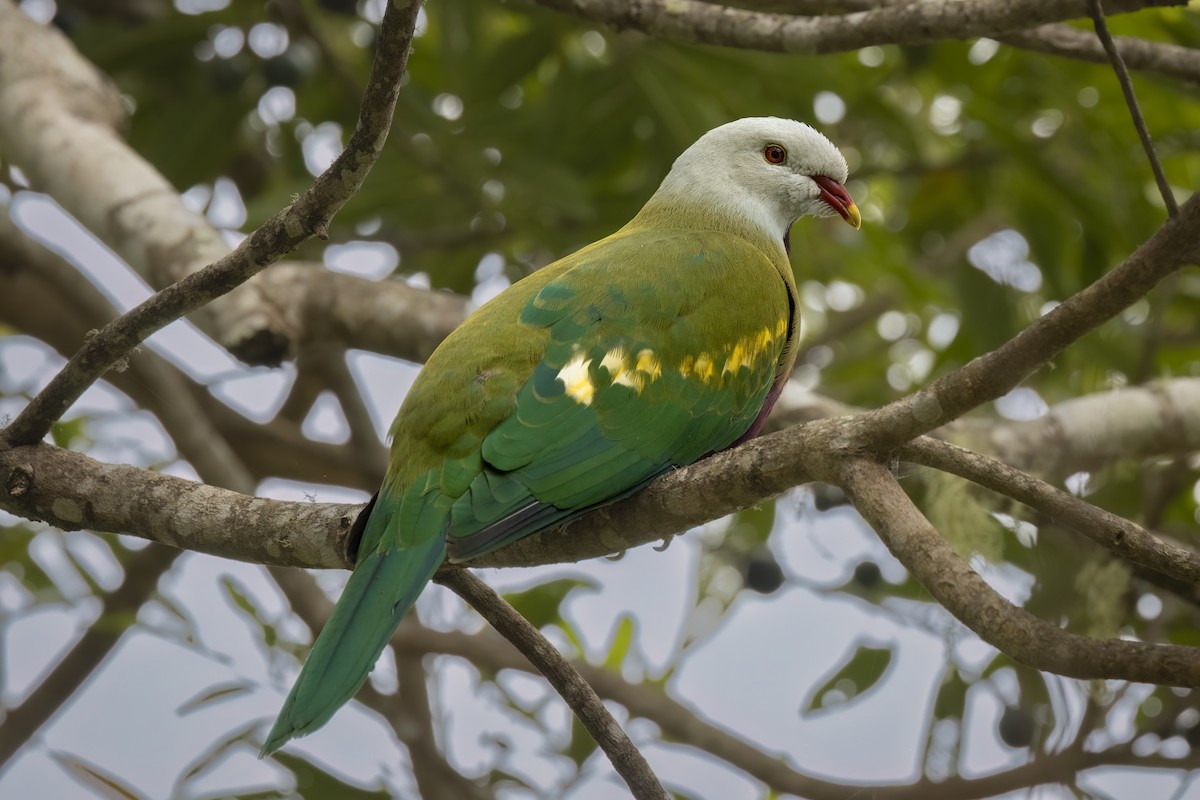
pixel 382 588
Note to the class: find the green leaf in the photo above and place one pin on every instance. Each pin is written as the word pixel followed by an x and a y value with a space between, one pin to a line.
pixel 66 434
pixel 312 781
pixel 852 679
pixel 951 697
pixel 621 642
pixel 96 779
pixel 582 745
pixel 245 604
pixel 540 603
pixel 211 695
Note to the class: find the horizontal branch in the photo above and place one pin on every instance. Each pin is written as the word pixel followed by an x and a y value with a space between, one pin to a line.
pixel 1089 432
pixel 389 317
pixel 72 491
pixel 906 24
pixel 1175 60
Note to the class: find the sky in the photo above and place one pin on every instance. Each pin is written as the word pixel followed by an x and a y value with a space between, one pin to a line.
pixel 751 671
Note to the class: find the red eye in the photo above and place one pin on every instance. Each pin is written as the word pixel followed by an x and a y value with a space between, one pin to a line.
pixel 774 154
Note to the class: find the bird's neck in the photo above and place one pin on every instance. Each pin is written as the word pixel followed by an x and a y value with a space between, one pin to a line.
pixel 695 207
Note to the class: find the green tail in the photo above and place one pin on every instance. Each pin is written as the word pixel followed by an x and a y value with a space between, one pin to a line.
pixel 384 585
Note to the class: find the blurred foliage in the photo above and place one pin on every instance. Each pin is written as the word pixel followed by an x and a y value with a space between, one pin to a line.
pixel 993 182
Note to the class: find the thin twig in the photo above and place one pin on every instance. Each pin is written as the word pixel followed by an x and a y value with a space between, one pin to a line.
pixel 1124 538
pixel 580 696
pixel 1135 111
pixel 309 215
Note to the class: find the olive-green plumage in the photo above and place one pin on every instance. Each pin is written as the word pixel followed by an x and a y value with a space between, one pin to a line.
pixel 648 349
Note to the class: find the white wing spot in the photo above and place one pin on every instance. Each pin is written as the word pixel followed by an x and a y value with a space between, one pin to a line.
pixel 576 380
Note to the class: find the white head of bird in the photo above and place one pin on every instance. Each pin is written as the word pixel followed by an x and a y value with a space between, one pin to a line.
pixel 766 171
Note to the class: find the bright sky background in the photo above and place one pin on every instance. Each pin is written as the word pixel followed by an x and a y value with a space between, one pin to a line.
pixel 751 673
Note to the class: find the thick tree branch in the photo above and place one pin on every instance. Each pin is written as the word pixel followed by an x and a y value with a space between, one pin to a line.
pixel 308 215
pixel 908 23
pixel 581 697
pixel 1085 433
pixel 71 491
pixel 958 588
pixel 1124 538
pixel 1133 422
pixel 314 305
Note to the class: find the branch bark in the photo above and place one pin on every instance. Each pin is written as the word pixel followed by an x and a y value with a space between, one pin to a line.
pixel 952 583
pixel 905 24
pixel 1124 538
pixel 1063 40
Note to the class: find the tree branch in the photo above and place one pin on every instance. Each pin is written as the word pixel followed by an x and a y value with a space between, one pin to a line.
pixel 1174 245
pixel 1124 538
pixel 952 583
pixel 71 491
pixel 308 215
pixel 1063 40
pixel 1132 422
pixel 581 697
pixel 1135 111
pixel 1085 433
pixel 908 23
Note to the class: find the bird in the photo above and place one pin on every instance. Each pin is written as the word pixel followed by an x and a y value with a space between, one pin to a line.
pixel 647 350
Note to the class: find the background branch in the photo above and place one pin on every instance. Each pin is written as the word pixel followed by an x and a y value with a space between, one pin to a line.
pixel 906 24
pixel 1040 644
pixel 307 216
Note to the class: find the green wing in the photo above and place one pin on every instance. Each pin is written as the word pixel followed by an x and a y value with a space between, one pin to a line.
pixel 645 366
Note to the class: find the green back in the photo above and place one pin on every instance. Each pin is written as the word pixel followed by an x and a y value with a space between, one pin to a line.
pixel 645 350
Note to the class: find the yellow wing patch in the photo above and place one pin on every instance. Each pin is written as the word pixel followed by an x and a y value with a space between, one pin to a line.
pixel 645 368
pixel 745 352
pixel 635 372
